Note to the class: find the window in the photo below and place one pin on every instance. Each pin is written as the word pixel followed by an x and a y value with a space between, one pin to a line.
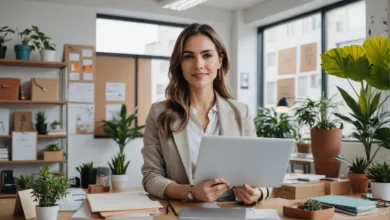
pixel 271 59
pixel 302 87
pixel 290 29
pixel 340 26
pixel 315 81
pixel 271 93
pixel 271 35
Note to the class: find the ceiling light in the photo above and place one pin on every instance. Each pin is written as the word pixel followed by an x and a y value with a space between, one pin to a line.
pixel 181 5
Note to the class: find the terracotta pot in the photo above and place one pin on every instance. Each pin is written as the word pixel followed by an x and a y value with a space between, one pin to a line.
pixel 292 211
pixel 359 182
pixel 304 148
pixel 325 144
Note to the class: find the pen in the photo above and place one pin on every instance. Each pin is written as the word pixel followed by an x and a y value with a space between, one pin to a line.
pixel 173 209
pixel 304 179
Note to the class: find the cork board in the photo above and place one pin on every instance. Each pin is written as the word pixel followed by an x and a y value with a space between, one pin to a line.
pixel 308 57
pixel 287 62
pixel 144 91
pixel 120 70
pixel 286 88
pixel 81 63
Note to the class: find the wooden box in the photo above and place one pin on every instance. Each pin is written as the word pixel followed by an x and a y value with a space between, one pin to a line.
pixel 43 89
pixel 53 155
pixel 292 211
pixel 300 191
pixel 340 187
pixel 9 89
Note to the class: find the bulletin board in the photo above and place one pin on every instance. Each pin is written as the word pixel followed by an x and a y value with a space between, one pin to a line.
pixel 287 62
pixel 308 57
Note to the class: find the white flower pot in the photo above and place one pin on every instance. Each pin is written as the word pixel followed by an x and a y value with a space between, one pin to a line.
pixel 119 182
pixel 48 55
pixel 46 213
pixel 381 190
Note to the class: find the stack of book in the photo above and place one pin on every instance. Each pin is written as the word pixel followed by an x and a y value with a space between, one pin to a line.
pixel 4 155
pixel 349 205
pixel 57 132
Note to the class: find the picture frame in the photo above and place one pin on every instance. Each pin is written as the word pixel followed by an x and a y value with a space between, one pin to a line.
pixel 244 80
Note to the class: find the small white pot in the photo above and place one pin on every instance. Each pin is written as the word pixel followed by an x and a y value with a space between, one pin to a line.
pixel 381 190
pixel 48 55
pixel 119 181
pixel 46 213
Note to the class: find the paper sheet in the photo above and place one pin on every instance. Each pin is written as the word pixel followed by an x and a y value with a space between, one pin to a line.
pixel 24 145
pixel 74 76
pixel 115 91
pixel 82 213
pixel 87 53
pixel 74 56
pixel 261 214
pixel 87 76
pixel 112 111
pixel 87 62
pixel 4 121
pixel 81 92
pixel 81 116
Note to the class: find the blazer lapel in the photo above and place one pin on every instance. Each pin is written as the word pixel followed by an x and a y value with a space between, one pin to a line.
pixel 182 147
pixel 227 125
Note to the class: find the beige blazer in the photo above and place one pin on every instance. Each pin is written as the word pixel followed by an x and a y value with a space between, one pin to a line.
pixel 167 161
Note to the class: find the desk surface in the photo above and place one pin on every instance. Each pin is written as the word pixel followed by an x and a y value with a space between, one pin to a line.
pixel 7 207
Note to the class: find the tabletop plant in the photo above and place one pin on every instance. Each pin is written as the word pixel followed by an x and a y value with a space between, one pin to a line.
pixel 4 31
pixel 52 147
pixel 41 40
pixel 24 182
pixel 41 125
pixel 310 205
pixel 379 172
pixel 272 124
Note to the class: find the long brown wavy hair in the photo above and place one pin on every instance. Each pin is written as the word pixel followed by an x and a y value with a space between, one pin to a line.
pixel 177 92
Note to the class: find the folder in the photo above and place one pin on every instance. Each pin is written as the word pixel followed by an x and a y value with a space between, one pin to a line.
pixel 347 203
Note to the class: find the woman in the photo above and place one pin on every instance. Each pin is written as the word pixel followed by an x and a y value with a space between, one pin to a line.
pixel 198 103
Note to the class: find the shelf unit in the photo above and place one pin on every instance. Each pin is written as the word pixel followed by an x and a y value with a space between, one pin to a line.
pixel 24 63
pixel 30 161
pixel 31 102
pixel 39 136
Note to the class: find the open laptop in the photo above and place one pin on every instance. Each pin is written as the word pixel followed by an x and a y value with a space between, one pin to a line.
pixel 258 162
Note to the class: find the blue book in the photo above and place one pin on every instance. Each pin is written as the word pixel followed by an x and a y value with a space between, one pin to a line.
pixel 344 202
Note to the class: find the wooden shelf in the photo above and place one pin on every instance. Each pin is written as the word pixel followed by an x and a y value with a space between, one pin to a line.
pixel 39 136
pixel 2 195
pixel 29 161
pixel 27 63
pixel 31 102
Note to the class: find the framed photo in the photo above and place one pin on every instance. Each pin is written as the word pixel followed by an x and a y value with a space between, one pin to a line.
pixel 244 80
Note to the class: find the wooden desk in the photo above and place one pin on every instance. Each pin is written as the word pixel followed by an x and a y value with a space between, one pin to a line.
pixel 7 207
pixel 306 162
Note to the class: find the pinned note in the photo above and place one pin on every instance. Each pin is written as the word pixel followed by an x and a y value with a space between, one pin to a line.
pixel 74 76
pixel 74 57
pixel 87 53
pixel 115 91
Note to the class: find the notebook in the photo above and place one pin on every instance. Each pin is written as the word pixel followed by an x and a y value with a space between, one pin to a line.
pixel 343 202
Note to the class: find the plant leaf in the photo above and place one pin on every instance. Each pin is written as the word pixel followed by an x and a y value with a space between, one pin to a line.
pixel 334 63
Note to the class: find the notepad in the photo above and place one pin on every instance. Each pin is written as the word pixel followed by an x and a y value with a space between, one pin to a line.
pixel 349 203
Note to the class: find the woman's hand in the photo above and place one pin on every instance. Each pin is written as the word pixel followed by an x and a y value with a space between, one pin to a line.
pixel 211 190
pixel 247 194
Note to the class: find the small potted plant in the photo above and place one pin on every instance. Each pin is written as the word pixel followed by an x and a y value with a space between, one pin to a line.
pixel 4 31
pixel 53 153
pixel 56 125
pixel 88 174
pixel 310 209
pixel 380 184
pixel 47 190
pixel 122 131
pixel 23 50
pixel 304 146
pixel 271 124
pixel 43 44
pixel 24 182
pixel 41 125
pixel 357 173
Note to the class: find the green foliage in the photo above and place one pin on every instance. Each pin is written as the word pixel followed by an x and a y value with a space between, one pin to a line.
pixel 52 147
pixel 379 173
pixel 55 123
pixel 317 114
pixel 41 41
pixel 272 124
pixel 359 165
pixel 40 118
pixel 85 166
pixel 311 205
pixel 24 181
pixel 370 66
pixel 118 164
pixel 4 31
pixel 26 38
pixel 47 189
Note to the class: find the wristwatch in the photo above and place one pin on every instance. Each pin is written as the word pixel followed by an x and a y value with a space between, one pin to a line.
pixel 190 195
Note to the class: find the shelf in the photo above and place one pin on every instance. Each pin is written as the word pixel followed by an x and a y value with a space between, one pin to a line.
pixel 31 102
pixel 39 136
pixel 26 63
pixel 29 161
pixel 3 196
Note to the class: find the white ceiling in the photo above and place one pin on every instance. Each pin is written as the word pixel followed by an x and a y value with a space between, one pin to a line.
pixel 232 4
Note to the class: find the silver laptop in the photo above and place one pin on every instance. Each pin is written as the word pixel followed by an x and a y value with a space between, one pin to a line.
pixel 258 162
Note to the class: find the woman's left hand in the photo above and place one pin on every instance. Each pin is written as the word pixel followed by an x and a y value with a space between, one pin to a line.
pixel 247 194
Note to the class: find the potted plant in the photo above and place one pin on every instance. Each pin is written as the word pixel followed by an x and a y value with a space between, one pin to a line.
pixel 43 44
pixel 47 190
pixel 309 209
pixel 56 125
pixel 88 174
pixel 269 123
pixel 4 31
pixel 24 182
pixel 380 176
pixel 325 133
pixel 41 125
pixel 122 131
pixel 53 153
pixel 23 50
pixel 304 145
pixel 357 173
pixel 370 66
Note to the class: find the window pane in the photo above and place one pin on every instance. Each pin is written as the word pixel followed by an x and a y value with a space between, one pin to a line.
pixel 114 36
pixel 160 79
pixel 346 25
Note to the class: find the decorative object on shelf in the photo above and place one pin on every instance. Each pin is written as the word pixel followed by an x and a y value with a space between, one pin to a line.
pixel 9 89
pixel 87 174
pixel 4 31
pixel 23 121
pixel 56 125
pixel 44 89
pixel 269 123
pixel 122 131
pixel 325 133
pixel 310 209
pixel 4 121
pixel 102 176
pixel 24 182
pixel 43 44
pixel 23 50
pixel 24 146
pixel 21 93
pixel 41 125
pixel 53 153
pixel 379 173
pixel 7 182
pixel 357 173
pixel 47 190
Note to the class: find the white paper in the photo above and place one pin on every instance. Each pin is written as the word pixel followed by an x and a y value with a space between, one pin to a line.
pixel 87 62
pixel 82 213
pixel 87 53
pixel 296 176
pixel 261 214
pixel 112 111
pixel 81 92
pixel 210 205
pixel 4 121
pixel 74 57
pixel 87 76
pixel 74 76
pixel 115 91
pixel 24 146
pixel 81 116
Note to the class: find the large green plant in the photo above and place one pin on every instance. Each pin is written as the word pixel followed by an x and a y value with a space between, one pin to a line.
pixel 4 31
pixel 370 66
pixel 47 189
pixel 26 38
pixel 269 123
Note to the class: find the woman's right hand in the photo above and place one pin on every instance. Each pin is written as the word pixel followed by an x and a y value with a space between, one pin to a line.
pixel 211 190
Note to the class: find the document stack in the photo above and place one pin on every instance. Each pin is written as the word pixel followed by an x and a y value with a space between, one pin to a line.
pixel 4 155
pixel 57 132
